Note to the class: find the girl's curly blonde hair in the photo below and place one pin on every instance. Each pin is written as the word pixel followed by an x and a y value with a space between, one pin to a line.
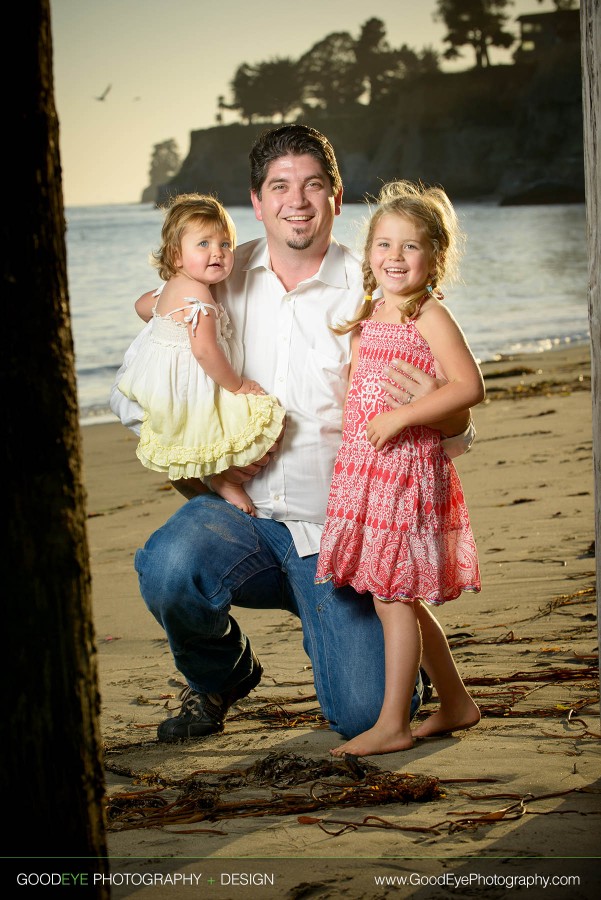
pixel 431 210
pixel 182 211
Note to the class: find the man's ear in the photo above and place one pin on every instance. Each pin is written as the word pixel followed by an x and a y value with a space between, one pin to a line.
pixel 256 202
pixel 338 202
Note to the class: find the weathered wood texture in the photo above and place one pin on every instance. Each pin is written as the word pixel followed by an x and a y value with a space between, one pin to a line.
pixel 590 22
pixel 51 778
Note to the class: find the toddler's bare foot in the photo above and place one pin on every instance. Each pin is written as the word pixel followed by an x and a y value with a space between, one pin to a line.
pixel 445 721
pixel 376 740
pixel 233 493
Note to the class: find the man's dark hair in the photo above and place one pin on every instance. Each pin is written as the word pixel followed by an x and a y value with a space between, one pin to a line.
pixel 296 140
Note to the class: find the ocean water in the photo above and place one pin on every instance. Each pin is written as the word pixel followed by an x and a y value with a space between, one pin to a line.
pixel 523 281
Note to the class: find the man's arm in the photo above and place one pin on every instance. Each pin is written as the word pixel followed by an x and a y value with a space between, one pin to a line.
pixel 411 383
pixel 128 411
pixel 191 487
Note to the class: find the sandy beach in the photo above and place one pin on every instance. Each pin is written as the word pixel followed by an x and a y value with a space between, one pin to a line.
pixel 519 796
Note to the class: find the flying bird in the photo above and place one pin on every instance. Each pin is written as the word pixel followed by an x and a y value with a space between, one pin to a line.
pixel 104 93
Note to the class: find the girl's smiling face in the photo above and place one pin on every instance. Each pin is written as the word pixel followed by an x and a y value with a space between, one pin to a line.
pixel 401 256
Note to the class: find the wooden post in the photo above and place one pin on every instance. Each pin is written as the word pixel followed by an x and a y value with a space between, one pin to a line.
pixel 590 27
pixel 51 777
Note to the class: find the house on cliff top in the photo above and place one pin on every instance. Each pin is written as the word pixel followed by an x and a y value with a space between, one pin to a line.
pixel 543 35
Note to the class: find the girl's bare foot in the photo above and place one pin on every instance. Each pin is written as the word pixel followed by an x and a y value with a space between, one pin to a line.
pixel 233 493
pixel 376 740
pixel 445 721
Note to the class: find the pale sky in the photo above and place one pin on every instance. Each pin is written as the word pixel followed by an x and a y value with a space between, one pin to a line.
pixel 167 61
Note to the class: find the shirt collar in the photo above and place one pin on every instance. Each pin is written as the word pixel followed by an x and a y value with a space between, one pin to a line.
pixel 259 258
pixel 332 270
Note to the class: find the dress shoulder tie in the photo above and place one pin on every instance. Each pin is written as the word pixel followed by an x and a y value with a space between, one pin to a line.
pixel 195 307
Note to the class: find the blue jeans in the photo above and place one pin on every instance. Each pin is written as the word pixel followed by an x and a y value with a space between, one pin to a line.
pixel 209 556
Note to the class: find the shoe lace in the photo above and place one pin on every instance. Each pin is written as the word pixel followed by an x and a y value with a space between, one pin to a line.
pixel 194 703
pixel 188 699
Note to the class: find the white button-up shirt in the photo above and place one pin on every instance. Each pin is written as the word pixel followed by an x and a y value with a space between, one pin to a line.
pixel 282 339
pixel 289 348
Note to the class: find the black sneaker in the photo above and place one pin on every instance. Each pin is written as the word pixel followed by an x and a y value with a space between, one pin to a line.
pixel 203 714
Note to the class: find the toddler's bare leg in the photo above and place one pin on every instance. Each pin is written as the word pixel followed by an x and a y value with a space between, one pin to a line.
pixel 232 492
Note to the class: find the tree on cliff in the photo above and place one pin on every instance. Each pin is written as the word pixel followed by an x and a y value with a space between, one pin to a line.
pixel 381 67
pixel 478 23
pixel 373 56
pixel 266 90
pixel 164 163
pixel 337 72
pixel 329 72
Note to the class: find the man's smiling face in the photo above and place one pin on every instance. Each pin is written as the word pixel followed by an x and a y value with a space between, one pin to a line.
pixel 296 204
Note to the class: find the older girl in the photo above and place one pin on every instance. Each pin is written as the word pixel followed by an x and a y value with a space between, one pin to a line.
pixel 397 524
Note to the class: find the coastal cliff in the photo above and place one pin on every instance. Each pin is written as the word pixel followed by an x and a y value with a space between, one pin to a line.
pixel 513 133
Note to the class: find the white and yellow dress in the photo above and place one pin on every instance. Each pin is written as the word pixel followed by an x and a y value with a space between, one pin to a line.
pixel 192 427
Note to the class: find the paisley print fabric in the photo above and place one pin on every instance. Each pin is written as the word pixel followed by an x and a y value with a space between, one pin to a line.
pixel 397 525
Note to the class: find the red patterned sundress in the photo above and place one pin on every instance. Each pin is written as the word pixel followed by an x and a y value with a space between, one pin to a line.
pixel 397 525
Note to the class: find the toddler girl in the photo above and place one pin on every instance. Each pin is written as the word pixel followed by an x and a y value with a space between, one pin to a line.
pixel 200 415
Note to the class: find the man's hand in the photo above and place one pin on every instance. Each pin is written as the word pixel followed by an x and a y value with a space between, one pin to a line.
pixel 240 475
pixel 410 383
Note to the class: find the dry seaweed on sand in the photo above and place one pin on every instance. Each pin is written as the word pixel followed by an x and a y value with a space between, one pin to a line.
pixel 584 595
pixel 531 387
pixel 345 782
pixel 551 673
pixel 275 714
pixel 466 820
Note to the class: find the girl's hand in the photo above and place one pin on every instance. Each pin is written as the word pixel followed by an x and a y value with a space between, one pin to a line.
pixel 249 387
pixel 382 428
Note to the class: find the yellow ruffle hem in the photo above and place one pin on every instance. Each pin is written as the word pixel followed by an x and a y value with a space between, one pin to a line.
pixel 240 432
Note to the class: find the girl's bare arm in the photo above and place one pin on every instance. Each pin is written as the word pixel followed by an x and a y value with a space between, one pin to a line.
pixel 410 384
pixel 209 355
pixel 464 388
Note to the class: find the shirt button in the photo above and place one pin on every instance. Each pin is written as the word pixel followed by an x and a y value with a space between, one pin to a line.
pixel 276 497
